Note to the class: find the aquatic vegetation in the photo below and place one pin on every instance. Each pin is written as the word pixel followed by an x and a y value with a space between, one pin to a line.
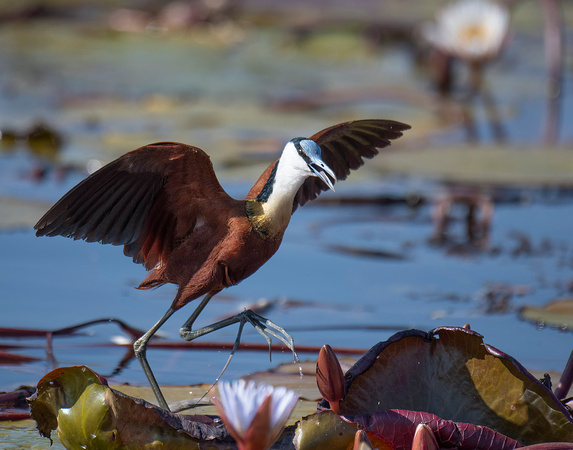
pixel 445 387
pixel 255 415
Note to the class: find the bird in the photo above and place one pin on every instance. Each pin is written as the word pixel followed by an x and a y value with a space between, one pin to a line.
pixel 164 204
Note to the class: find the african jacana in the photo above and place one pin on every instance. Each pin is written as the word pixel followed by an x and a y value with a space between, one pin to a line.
pixel 164 204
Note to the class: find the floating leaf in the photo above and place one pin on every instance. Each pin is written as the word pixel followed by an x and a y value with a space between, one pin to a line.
pixel 327 430
pixel 13 405
pixel 558 313
pixel 476 164
pixel 399 428
pixel 89 414
pixel 394 429
pixel 451 373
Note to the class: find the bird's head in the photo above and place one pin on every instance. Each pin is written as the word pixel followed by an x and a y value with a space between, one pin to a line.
pixel 305 155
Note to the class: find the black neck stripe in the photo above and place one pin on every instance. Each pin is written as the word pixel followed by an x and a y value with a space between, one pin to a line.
pixel 268 187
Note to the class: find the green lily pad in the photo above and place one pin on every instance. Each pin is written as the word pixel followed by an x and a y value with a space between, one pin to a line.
pixel 328 430
pixel 473 164
pixel 89 414
pixel 557 313
pixel 20 213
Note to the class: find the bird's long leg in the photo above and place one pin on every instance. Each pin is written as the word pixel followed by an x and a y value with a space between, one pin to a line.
pixel 237 342
pixel 263 326
pixel 140 349
pixel 193 317
pixel 181 406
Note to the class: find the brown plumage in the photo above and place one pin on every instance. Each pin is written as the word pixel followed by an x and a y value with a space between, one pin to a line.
pixel 164 204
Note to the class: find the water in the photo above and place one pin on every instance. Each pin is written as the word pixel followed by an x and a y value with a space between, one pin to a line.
pixel 322 296
pixel 347 275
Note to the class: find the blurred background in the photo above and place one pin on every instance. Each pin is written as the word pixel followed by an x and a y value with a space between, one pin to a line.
pixel 466 219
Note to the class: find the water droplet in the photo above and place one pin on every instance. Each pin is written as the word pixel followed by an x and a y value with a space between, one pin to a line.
pixel 540 325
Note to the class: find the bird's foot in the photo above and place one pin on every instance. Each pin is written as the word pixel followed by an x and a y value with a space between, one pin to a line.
pixel 264 327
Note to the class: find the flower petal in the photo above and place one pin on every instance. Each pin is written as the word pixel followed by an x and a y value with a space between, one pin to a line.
pixel 254 414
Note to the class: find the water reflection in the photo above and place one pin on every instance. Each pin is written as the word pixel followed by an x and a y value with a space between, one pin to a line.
pixel 479 207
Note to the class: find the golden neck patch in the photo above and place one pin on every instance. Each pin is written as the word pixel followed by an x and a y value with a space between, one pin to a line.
pixel 268 219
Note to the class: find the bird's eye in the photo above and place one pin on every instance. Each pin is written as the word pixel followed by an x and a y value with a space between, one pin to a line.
pixel 302 153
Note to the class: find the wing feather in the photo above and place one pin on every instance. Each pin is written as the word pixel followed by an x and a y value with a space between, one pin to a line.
pixel 66 215
pixel 86 213
pixel 108 226
pixel 148 200
pixel 344 148
pixel 132 223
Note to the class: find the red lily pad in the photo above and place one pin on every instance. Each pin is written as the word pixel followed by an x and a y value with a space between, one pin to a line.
pixel 13 404
pixel 451 373
pixel 394 430
pixel 399 428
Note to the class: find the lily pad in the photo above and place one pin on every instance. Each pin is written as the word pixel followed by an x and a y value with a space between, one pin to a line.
pixel 557 313
pixel 451 373
pixel 20 213
pixel 394 429
pixel 485 165
pixel 329 430
pixel 399 427
pixel 88 414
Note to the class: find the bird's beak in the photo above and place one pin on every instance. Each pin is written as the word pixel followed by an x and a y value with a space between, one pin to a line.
pixel 322 171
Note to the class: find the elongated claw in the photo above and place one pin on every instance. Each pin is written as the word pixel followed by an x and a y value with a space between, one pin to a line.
pixel 264 327
pixel 270 328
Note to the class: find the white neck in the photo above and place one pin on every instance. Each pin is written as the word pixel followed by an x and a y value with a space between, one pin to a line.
pixel 291 172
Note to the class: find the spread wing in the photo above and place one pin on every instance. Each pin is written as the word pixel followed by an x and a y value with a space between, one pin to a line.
pixel 343 148
pixel 148 200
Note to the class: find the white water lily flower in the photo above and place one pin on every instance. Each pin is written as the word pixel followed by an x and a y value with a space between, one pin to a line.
pixel 245 408
pixel 470 29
